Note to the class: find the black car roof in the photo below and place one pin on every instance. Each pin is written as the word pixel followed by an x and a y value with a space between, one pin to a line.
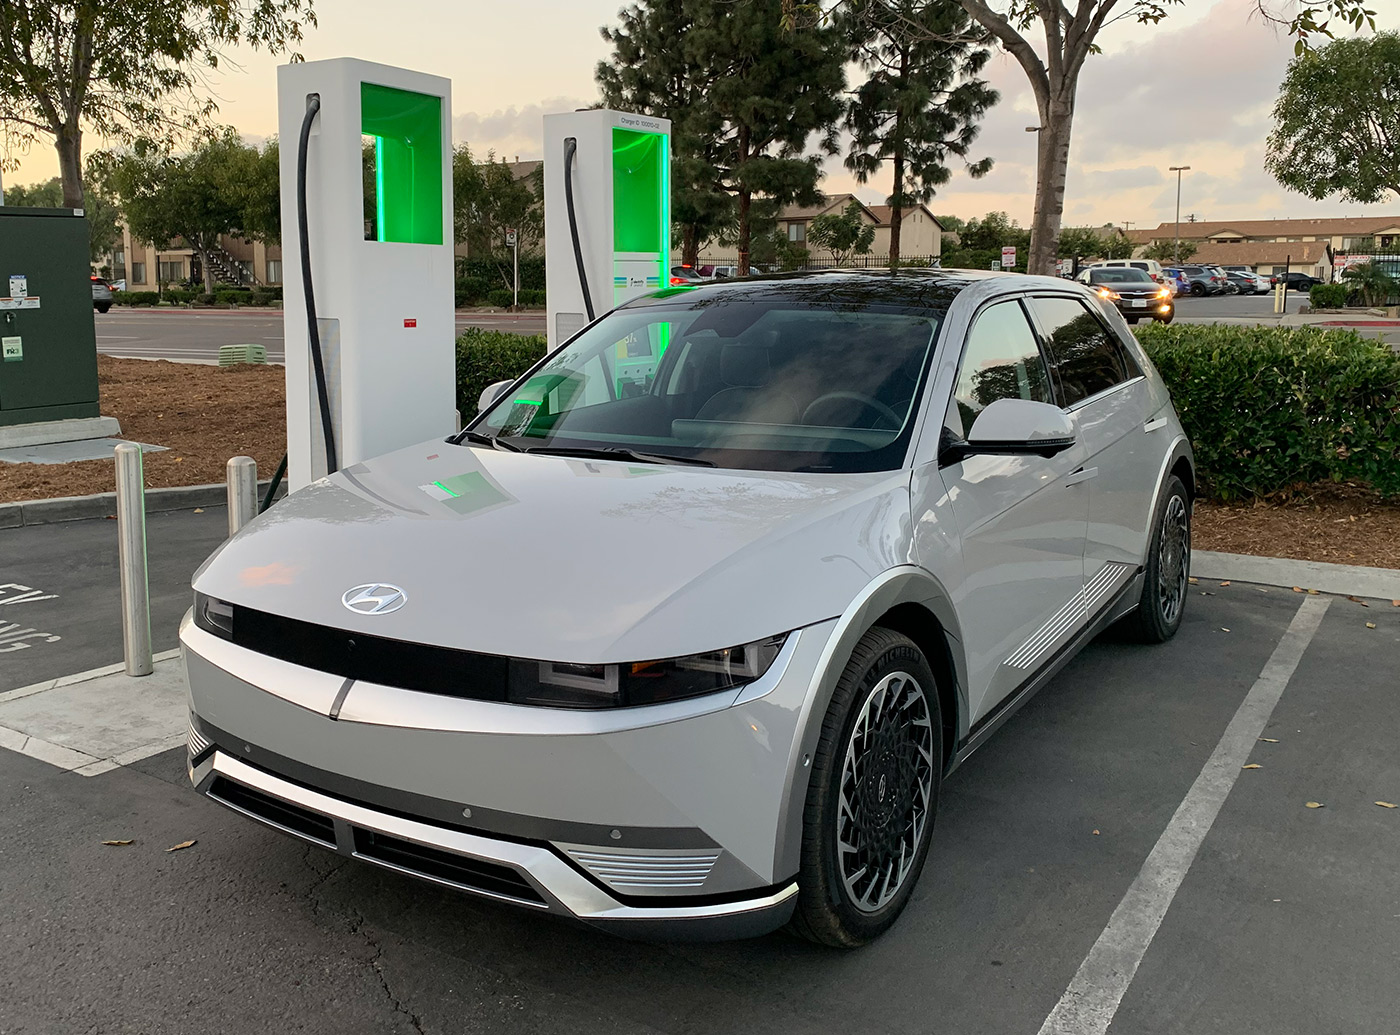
pixel 916 288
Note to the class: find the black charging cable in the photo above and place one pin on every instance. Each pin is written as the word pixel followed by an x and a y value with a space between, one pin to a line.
pixel 570 149
pixel 313 331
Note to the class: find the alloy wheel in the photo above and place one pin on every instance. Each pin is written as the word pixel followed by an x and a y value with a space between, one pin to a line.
pixel 886 791
pixel 1173 558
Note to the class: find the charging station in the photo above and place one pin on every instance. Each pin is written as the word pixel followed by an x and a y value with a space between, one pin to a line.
pixel 366 169
pixel 607 215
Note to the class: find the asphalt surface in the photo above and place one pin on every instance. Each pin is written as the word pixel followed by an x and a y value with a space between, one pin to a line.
pixel 1288 920
pixel 193 335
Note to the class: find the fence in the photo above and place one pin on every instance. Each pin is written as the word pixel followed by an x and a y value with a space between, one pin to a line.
pixel 811 262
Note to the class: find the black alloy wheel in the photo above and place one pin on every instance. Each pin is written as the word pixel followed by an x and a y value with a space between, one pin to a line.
pixel 1167 571
pixel 872 795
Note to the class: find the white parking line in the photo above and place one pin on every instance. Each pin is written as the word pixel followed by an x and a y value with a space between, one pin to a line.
pixel 1092 998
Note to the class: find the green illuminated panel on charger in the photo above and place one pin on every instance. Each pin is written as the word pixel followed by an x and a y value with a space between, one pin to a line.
pixel 407 176
pixel 640 195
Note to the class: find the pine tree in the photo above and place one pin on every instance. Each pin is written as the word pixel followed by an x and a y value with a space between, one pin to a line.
pixel 744 90
pixel 921 101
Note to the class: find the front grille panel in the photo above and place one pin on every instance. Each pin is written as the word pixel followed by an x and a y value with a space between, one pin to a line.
pixel 448 867
pixel 272 810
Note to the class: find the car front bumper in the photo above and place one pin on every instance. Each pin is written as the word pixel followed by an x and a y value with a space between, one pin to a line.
pixel 1157 308
pixel 670 821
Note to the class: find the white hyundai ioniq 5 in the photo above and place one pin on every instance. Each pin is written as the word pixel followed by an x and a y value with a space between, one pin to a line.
pixel 682 634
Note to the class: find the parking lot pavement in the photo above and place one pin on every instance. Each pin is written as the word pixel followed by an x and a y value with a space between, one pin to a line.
pixel 1040 836
pixel 194 335
pixel 63 588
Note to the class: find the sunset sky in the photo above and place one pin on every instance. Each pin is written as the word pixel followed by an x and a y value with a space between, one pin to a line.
pixel 1195 91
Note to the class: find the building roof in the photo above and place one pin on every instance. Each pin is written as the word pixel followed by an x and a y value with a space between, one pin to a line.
pixel 880 214
pixel 1354 226
pixel 1271 253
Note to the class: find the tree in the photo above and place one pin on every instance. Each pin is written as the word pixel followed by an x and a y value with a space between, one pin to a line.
pixel 102 214
pixel 950 224
pixel 921 100
pixel 843 235
pixel 758 89
pixel 1069 37
pixel 1167 251
pixel 122 68
pixel 1337 121
pixel 1371 282
pixel 980 242
pixel 196 196
pixel 487 200
pixel 651 73
pixel 1081 242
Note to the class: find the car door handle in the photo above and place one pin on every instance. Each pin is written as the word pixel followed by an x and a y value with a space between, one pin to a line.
pixel 1154 424
pixel 1082 475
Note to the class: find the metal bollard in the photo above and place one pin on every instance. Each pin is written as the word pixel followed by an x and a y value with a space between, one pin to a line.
pixel 131 545
pixel 242 492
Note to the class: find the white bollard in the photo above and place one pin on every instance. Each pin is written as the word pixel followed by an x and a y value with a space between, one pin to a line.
pixel 131 546
pixel 242 492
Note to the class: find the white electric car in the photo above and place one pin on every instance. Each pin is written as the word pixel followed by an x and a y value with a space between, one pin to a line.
pixel 682 634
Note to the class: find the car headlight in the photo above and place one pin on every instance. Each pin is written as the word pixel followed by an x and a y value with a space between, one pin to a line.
pixel 213 616
pixel 1164 293
pixel 1112 296
pixel 643 682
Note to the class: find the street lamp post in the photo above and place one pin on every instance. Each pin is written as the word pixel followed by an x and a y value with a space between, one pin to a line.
pixel 1176 248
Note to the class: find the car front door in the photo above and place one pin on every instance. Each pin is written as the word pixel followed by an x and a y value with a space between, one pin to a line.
pixel 1099 382
pixel 1021 520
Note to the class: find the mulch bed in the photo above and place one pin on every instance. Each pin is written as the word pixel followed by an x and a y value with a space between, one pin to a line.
pixel 1340 524
pixel 202 414
pixel 206 414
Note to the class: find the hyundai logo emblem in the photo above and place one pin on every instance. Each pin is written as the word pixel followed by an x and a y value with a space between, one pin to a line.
pixel 374 598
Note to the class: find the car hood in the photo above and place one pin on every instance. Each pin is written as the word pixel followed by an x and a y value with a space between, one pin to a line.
pixel 567 560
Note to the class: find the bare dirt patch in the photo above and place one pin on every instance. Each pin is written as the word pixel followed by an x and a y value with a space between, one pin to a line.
pixel 1340 524
pixel 202 414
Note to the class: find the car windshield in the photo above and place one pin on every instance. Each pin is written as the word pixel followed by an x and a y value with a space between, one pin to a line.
pixel 1121 275
pixel 773 384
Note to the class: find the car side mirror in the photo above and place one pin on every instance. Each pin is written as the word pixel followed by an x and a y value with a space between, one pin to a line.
pixel 1013 427
pixel 492 393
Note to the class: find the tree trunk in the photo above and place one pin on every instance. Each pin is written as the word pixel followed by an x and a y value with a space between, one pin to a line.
pixel 69 142
pixel 1052 166
pixel 206 268
pixel 745 197
pixel 690 245
pixel 897 195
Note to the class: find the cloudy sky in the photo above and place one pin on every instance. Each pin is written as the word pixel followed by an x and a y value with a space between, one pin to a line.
pixel 1195 91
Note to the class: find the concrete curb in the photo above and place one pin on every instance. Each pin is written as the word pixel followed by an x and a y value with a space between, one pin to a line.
pixel 104 504
pixel 1341 579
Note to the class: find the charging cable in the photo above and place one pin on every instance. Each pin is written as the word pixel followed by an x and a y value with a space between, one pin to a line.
pixel 570 149
pixel 313 330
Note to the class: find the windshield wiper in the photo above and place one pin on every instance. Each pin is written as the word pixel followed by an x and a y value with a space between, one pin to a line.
pixel 484 440
pixel 618 453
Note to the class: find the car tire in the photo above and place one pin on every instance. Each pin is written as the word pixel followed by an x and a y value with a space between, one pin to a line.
pixel 1166 319
pixel 1198 289
pixel 1167 570
pixel 883 721
pixel 1132 319
pixel 102 307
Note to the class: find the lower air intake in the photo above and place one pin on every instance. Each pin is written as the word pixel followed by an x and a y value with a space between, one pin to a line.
pixel 646 869
pixel 445 867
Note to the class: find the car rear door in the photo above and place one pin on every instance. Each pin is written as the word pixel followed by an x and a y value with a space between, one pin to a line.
pixel 1021 520
pixel 1099 382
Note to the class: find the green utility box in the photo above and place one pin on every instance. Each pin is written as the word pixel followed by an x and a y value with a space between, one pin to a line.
pixel 48 341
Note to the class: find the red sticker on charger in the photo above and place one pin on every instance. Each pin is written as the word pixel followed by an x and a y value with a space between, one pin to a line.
pixel 410 323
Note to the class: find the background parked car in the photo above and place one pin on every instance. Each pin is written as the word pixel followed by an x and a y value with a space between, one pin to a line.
pixel 1247 283
pixel 1296 281
pixel 1133 292
pixel 1151 267
pixel 101 295
pixel 1177 280
pixel 685 275
pixel 725 272
pixel 1204 280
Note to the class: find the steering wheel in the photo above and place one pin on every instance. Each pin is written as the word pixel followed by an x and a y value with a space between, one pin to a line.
pixel 895 420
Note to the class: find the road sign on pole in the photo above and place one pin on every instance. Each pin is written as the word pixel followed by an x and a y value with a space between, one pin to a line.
pixel 513 242
pixel 1008 257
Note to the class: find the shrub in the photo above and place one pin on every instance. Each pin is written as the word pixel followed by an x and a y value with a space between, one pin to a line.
pixel 1267 408
pixel 1328 296
pixel 471 290
pixel 500 297
pixel 179 296
pixel 485 357
pixel 232 296
pixel 531 297
pixel 497 274
pixel 136 297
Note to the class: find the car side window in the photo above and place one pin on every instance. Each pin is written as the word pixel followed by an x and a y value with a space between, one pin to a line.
pixel 1088 358
pixel 1001 361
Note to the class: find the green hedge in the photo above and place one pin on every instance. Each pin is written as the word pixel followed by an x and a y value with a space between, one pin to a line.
pixel 500 297
pixel 485 357
pixel 498 274
pixel 1328 296
pixel 1268 408
pixel 136 297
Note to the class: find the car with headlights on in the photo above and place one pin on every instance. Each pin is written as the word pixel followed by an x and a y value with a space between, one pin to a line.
pixel 1133 292
pixel 682 634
